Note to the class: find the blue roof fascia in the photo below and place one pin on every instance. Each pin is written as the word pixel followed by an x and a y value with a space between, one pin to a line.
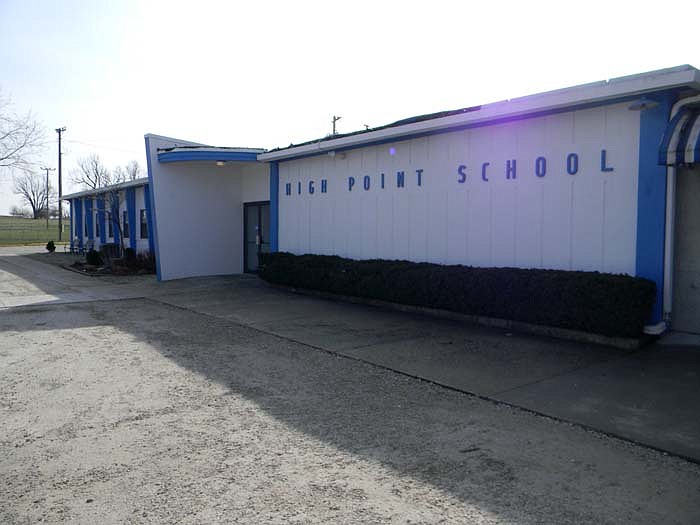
pixel 189 156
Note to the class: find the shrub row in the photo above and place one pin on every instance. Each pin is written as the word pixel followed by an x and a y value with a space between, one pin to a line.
pixel 612 305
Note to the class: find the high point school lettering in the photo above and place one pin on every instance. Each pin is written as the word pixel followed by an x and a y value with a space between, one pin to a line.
pixel 484 171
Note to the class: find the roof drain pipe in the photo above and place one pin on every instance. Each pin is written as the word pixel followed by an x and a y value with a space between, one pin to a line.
pixel 669 243
pixel 669 233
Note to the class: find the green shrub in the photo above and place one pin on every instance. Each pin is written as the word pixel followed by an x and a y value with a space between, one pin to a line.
pixel 130 257
pixel 50 246
pixel 109 251
pixel 146 261
pixel 612 305
pixel 93 257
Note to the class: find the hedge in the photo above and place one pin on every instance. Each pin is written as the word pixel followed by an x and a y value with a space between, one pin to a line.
pixel 612 305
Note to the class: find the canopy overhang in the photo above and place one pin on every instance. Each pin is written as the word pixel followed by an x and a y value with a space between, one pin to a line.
pixel 680 145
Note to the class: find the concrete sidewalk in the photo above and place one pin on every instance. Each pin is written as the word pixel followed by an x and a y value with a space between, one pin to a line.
pixel 649 396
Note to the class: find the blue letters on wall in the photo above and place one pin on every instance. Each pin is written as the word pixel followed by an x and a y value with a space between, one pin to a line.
pixel 569 163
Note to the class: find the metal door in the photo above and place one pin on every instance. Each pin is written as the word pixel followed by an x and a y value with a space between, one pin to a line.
pixel 256 228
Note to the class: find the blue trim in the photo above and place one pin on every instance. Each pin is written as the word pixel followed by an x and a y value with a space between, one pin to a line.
pixel 668 134
pixel 101 216
pixel 651 200
pixel 88 220
pixel 72 218
pixel 462 127
pixel 194 155
pixel 149 220
pixel 696 149
pixel 274 205
pixel 114 217
pixel 80 230
pixel 131 215
pixel 149 199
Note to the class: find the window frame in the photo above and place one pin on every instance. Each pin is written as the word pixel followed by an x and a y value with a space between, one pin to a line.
pixel 143 221
pixel 125 224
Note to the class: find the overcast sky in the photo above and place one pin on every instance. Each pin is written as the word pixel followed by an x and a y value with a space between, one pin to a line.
pixel 265 74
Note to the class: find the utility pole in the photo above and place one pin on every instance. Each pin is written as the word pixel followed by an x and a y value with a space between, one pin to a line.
pixel 47 194
pixel 335 119
pixel 60 188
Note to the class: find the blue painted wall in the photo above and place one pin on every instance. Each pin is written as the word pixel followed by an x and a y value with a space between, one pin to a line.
pixel 114 217
pixel 131 215
pixel 79 229
pixel 149 220
pixel 101 216
pixel 72 214
pixel 651 199
pixel 274 206
pixel 88 219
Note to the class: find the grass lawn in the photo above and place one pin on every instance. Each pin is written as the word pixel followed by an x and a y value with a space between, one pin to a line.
pixel 17 230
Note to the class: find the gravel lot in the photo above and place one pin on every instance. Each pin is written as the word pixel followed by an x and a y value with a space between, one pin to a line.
pixel 138 411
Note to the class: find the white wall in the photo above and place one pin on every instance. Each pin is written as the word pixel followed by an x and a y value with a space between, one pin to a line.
pixel 585 221
pixel 199 212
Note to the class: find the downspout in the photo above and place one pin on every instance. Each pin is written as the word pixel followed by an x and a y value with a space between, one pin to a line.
pixel 669 242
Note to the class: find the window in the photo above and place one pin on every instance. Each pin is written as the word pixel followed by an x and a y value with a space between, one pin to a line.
pixel 110 226
pixel 97 224
pixel 86 228
pixel 125 224
pixel 144 225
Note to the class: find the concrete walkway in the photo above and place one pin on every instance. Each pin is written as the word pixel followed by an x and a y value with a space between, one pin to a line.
pixel 648 396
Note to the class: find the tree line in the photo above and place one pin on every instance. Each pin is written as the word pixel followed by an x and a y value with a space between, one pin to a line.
pixel 22 141
pixel 91 174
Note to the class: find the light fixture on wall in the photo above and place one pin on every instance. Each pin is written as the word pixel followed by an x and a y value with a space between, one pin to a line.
pixel 220 162
pixel 643 103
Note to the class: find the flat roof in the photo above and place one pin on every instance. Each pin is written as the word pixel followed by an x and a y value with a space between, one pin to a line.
pixel 97 191
pixel 627 87
pixel 208 153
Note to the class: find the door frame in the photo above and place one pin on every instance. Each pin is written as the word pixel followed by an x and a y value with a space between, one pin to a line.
pixel 246 205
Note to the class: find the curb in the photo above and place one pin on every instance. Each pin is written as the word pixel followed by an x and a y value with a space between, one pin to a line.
pixel 623 343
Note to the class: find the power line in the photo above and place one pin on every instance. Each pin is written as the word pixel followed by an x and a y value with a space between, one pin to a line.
pixel 101 147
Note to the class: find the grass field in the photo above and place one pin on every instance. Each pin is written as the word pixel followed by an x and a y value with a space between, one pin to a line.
pixel 15 230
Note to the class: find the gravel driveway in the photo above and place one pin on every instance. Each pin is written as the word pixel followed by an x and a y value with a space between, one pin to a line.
pixel 138 411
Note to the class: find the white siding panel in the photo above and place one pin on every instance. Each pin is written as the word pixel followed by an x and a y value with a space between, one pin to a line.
pixel 582 221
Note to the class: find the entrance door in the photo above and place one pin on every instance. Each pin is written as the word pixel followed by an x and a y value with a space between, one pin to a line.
pixel 257 233
pixel 685 316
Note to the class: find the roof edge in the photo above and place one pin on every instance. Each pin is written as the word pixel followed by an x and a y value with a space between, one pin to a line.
pixel 97 191
pixel 677 77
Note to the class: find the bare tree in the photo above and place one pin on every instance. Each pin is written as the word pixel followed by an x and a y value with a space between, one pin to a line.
pixel 131 171
pixel 16 211
pixel 91 173
pixel 112 200
pixel 21 138
pixel 32 190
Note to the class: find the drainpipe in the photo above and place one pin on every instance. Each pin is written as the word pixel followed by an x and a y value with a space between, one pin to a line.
pixel 669 243
pixel 669 233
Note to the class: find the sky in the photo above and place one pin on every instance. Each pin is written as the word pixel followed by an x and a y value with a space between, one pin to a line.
pixel 266 74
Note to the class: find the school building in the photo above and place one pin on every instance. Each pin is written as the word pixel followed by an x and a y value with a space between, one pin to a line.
pixel 599 177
